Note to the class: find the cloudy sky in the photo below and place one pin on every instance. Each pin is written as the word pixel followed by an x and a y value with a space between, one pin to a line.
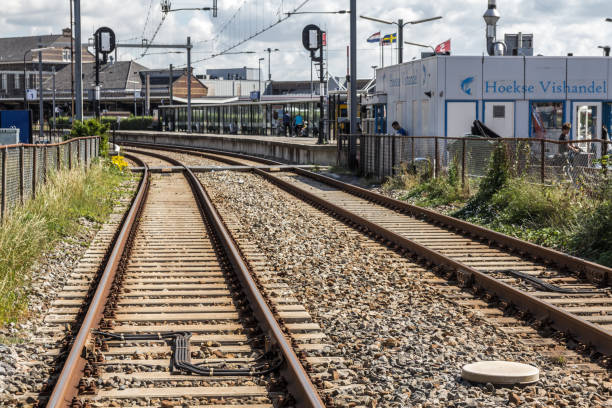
pixel 559 27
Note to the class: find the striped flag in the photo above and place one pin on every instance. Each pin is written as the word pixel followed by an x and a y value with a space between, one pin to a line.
pixel 374 38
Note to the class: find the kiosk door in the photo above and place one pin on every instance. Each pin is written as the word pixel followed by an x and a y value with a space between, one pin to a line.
pixel 459 118
pixel 587 125
pixel 499 117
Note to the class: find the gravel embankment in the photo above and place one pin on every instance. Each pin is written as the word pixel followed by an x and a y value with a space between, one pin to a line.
pixel 25 362
pixel 406 342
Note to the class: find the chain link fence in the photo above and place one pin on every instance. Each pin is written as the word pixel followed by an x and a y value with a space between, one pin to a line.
pixel 540 160
pixel 25 167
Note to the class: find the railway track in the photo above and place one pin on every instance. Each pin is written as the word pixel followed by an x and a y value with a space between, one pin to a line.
pixel 176 317
pixel 571 295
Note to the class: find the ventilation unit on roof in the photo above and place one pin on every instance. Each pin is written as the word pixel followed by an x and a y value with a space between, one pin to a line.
pixel 519 44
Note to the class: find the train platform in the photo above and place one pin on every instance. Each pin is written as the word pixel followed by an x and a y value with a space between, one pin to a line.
pixel 291 150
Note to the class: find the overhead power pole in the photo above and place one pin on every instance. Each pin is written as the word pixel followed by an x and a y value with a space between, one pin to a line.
pixel 71 62
pixel 189 85
pixel 41 111
pixel 171 84
pixel 400 39
pixel 353 90
pixel 78 69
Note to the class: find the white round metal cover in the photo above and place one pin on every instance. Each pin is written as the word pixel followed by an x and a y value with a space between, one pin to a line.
pixel 500 372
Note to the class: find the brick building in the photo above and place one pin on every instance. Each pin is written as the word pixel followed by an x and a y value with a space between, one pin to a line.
pixel 16 57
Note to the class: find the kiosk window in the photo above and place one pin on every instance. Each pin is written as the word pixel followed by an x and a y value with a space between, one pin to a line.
pixel 499 111
pixel 546 119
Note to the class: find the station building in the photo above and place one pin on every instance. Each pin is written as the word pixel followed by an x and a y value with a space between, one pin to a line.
pixel 516 96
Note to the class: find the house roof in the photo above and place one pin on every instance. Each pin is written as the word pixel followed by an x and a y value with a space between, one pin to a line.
pixel 12 49
pixel 116 76
pixel 158 78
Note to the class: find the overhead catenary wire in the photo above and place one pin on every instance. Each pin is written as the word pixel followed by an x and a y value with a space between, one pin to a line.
pixel 250 37
pixel 144 53
pixel 144 28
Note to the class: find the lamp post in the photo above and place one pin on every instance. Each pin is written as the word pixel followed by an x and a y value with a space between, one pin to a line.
pixel 25 99
pixel 420 45
pixel 259 69
pixel 269 51
pixel 400 25
pixel 134 82
pixel 606 50
pixel 40 87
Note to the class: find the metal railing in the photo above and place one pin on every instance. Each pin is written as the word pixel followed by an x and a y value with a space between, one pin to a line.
pixel 25 167
pixel 541 160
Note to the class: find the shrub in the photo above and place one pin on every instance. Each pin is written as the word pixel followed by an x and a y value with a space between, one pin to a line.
pixel 593 238
pixel 92 127
pixel 108 120
pixel 498 173
pixel 522 203
pixel 438 191
pixel 136 123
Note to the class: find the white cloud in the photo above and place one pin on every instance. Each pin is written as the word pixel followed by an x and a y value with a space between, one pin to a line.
pixel 559 27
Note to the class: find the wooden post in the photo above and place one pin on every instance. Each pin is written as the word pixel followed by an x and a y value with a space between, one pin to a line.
pixel 412 152
pixel 69 155
pixel 3 203
pixel 463 163
pixel 86 151
pixel 79 158
pixel 59 158
pixel 436 158
pixel 21 175
pixel 34 170
pixel 393 154
pixel 542 157
pixel 45 156
pixel 604 152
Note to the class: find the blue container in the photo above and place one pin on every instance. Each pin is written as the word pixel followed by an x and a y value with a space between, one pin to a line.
pixel 22 120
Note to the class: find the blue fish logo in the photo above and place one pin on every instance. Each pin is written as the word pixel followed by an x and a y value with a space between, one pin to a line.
pixel 466 85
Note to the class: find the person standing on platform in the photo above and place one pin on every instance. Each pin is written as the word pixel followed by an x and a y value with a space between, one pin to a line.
pixel 286 124
pixel 299 124
pixel 400 131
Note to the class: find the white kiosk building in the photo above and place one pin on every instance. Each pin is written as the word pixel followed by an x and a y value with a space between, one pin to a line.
pixel 516 96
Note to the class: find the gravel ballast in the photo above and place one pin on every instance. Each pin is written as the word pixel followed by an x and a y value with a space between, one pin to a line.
pixel 406 342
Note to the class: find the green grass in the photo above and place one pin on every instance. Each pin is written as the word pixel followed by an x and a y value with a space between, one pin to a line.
pixel 575 221
pixel 422 189
pixel 29 230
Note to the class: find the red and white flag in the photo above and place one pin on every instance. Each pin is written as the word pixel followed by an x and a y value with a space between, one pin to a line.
pixel 444 48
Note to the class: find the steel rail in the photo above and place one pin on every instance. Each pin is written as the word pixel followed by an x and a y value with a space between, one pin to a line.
pixel 595 273
pixel 581 329
pixel 298 381
pixel 66 386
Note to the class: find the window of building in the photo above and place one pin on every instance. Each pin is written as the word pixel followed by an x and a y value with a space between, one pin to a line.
pixel 4 82
pixel 546 119
pixel 17 81
pixel 499 111
pixel 66 55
